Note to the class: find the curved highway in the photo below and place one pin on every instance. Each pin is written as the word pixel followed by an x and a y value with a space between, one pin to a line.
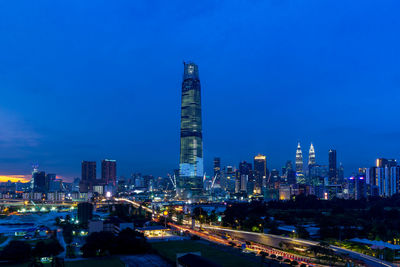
pixel 274 240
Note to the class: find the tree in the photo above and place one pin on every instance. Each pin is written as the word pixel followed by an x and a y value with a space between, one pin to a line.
pixel 213 217
pixel 49 248
pixel 98 244
pixel 17 251
pixel 40 250
pixel 179 218
pixel 130 241
pixel 67 233
pixel 200 214
pixel 302 232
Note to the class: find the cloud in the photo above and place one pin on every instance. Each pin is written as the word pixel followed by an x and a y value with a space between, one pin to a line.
pixel 15 178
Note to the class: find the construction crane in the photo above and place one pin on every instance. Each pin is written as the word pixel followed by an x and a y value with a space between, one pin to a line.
pixel 173 180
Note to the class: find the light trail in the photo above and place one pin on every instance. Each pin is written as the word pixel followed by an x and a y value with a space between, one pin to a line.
pixel 222 241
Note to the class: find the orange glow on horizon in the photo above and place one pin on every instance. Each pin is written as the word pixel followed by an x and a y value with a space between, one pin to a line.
pixel 15 178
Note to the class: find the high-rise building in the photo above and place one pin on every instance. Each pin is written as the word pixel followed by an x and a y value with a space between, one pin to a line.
pixel 340 173
pixel 317 174
pixel 85 212
pixel 230 179
pixel 299 159
pixel 109 171
pixel 50 177
pixel 332 167
pixel 300 179
pixel 190 180
pixel 243 176
pixel 217 170
pixel 311 155
pixel 217 166
pixel 382 162
pixel 88 178
pixel 39 184
pixel 274 178
pixel 260 173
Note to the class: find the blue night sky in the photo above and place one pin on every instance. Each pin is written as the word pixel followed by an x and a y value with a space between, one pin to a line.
pixel 87 80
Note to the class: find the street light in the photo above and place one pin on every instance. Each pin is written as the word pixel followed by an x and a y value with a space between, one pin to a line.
pixel 165 213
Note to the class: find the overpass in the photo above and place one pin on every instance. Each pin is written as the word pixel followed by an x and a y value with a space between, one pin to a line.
pixel 274 240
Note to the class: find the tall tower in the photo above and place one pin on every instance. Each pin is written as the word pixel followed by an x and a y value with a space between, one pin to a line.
pixel 332 167
pixel 260 173
pixel 217 166
pixel 190 181
pixel 299 159
pixel 300 179
pixel 311 156
pixel 88 178
pixel 109 171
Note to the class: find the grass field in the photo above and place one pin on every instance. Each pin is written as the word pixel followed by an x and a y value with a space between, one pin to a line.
pixel 220 255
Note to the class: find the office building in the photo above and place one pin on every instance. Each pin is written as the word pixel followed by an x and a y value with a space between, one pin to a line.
pixel 299 160
pixel 88 178
pixel 39 181
pixel 109 171
pixel 332 167
pixel 190 181
pixel 243 175
pixel 85 212
pixel 311 155
pixel 260 173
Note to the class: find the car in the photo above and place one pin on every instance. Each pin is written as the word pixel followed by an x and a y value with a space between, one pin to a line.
pixel 279 258
pixel 272 256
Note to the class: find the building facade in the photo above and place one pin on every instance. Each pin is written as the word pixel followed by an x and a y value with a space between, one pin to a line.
pixel 190 181
pixel 109 171
pixel 260 173
pixel 332 166
pixel 88 178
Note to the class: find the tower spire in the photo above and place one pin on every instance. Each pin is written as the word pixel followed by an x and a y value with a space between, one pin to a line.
pixel 311 155
pixel 299 159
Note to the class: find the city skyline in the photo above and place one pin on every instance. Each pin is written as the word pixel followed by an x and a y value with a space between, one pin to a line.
pixel 199 133
pixel 90 91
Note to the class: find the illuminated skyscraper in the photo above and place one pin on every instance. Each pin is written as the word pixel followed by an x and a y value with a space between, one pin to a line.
pixel 311 156
pixel 217 166
pixel 300 179
pixel 299 159
pixel 260 172
pixel 190 181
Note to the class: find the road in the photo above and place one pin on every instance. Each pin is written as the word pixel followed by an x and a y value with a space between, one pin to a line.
pixel 60 238
pixel 274 240
pixel 5 243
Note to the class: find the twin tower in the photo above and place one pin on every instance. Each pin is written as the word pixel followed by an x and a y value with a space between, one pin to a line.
pixel 190 181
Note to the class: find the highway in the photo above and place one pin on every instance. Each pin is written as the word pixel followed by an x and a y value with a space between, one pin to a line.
pixel 274 240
